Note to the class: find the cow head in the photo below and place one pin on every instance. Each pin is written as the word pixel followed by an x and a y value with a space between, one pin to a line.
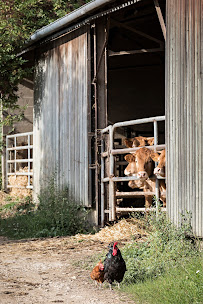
pixel 160 157
pixel 139 141
pixel 128 142
pixel 140 164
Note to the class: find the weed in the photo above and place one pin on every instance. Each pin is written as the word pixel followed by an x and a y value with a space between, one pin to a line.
pixel 167 268
pixel 165 246
pixel 57 214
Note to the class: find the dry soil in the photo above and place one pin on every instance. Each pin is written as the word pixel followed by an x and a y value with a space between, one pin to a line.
pixel 51 271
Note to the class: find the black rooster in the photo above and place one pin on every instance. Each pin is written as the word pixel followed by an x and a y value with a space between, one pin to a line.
pixel 114 265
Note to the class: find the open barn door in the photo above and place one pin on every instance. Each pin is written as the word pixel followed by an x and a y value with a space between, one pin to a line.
pixel 61 114
pixel 99 34
pixel 135 64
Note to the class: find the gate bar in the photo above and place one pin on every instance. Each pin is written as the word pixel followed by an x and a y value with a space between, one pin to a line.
pixel 112 179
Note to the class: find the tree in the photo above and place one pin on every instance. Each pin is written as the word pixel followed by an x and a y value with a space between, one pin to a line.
pixel 18 20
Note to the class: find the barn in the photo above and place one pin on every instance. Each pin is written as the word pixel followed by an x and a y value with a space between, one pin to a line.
pixel 116 69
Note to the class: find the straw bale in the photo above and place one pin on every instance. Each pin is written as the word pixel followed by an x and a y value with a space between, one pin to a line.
pixel 21 193
pixel 20 181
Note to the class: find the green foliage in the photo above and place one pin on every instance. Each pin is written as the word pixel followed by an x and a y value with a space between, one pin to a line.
pixel 165 246
pixel 167 268
pixel 57 214
pixel 181 284
pixel 18 20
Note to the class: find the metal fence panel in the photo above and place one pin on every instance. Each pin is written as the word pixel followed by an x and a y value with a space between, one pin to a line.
pixel 15 166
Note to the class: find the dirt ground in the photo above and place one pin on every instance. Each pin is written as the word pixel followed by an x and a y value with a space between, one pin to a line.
pixel 51 271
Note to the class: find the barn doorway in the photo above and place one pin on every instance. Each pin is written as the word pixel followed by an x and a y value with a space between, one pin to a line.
pixel 135 81
pixel 136 63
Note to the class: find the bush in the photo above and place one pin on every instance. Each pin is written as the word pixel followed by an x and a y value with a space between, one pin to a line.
pixel 167 268
pixel 56 214
pixel 165 246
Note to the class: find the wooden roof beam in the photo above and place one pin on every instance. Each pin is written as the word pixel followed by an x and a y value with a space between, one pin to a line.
pixel 118 24
pixel 161 19
pixel 111 53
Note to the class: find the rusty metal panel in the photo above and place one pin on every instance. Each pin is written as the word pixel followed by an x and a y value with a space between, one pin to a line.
pixel 60 119
pixel 184 111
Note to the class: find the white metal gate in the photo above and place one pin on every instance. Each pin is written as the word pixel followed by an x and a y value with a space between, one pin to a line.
pixel 110 154
pixel 19 165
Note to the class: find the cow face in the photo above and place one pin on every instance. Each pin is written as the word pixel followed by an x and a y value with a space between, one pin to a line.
pixel 160 157
pixel 131 169
pixel 140 164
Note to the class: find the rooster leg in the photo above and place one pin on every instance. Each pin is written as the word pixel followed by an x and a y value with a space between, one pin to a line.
pixel 110 287
pixel 100 285
pixel 95 283
pixel 119 285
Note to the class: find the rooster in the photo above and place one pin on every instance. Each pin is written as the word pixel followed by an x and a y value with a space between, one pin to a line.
pixel 97 273
pixel 114 265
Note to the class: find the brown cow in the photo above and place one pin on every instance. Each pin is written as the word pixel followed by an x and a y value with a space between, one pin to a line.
pixel 161 159
pixel 141 164
pixel 139 141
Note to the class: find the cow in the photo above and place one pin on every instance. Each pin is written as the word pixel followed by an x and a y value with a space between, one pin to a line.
pixel 160 157
pixel 139 141
pixel 141 165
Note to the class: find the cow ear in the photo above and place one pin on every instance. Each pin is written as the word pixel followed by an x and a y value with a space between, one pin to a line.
pixel 129 158
pixel 136 142
pixel 154 156
pixel 128 142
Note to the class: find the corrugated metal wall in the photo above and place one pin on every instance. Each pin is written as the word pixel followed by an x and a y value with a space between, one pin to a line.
pixel 61 114
pixel 184 110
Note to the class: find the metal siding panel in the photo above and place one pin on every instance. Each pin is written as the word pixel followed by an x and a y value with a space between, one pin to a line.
pixel 77 118
pixel 72 120
pixel 86 90
pixel 69 103
pixel 61 128
pixel 83 119
pixel 201 117
pixel 81 152
pixel 184 113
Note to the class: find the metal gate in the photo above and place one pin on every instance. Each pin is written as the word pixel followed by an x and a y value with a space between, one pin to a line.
pixel 19 164
pixel 108 155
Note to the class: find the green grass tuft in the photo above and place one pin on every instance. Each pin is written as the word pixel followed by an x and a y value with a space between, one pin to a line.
pixel 167 268
pixel 57 214
pixel 181 284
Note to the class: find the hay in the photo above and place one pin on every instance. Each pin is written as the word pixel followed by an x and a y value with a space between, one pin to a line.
pixel 124 230
pixel 19 183
pixel 20 193
pixel 18 180
pixel 3 197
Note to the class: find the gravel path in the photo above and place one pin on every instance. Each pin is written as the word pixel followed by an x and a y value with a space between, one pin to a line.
pixel 49 271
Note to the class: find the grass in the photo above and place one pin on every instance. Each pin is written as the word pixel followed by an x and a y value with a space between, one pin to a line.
pixel 167 269
pixel 56 214
pixel 181 284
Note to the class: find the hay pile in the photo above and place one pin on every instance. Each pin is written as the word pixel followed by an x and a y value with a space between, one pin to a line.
pixel 124 230
pixel 3 197
pixel 19 183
